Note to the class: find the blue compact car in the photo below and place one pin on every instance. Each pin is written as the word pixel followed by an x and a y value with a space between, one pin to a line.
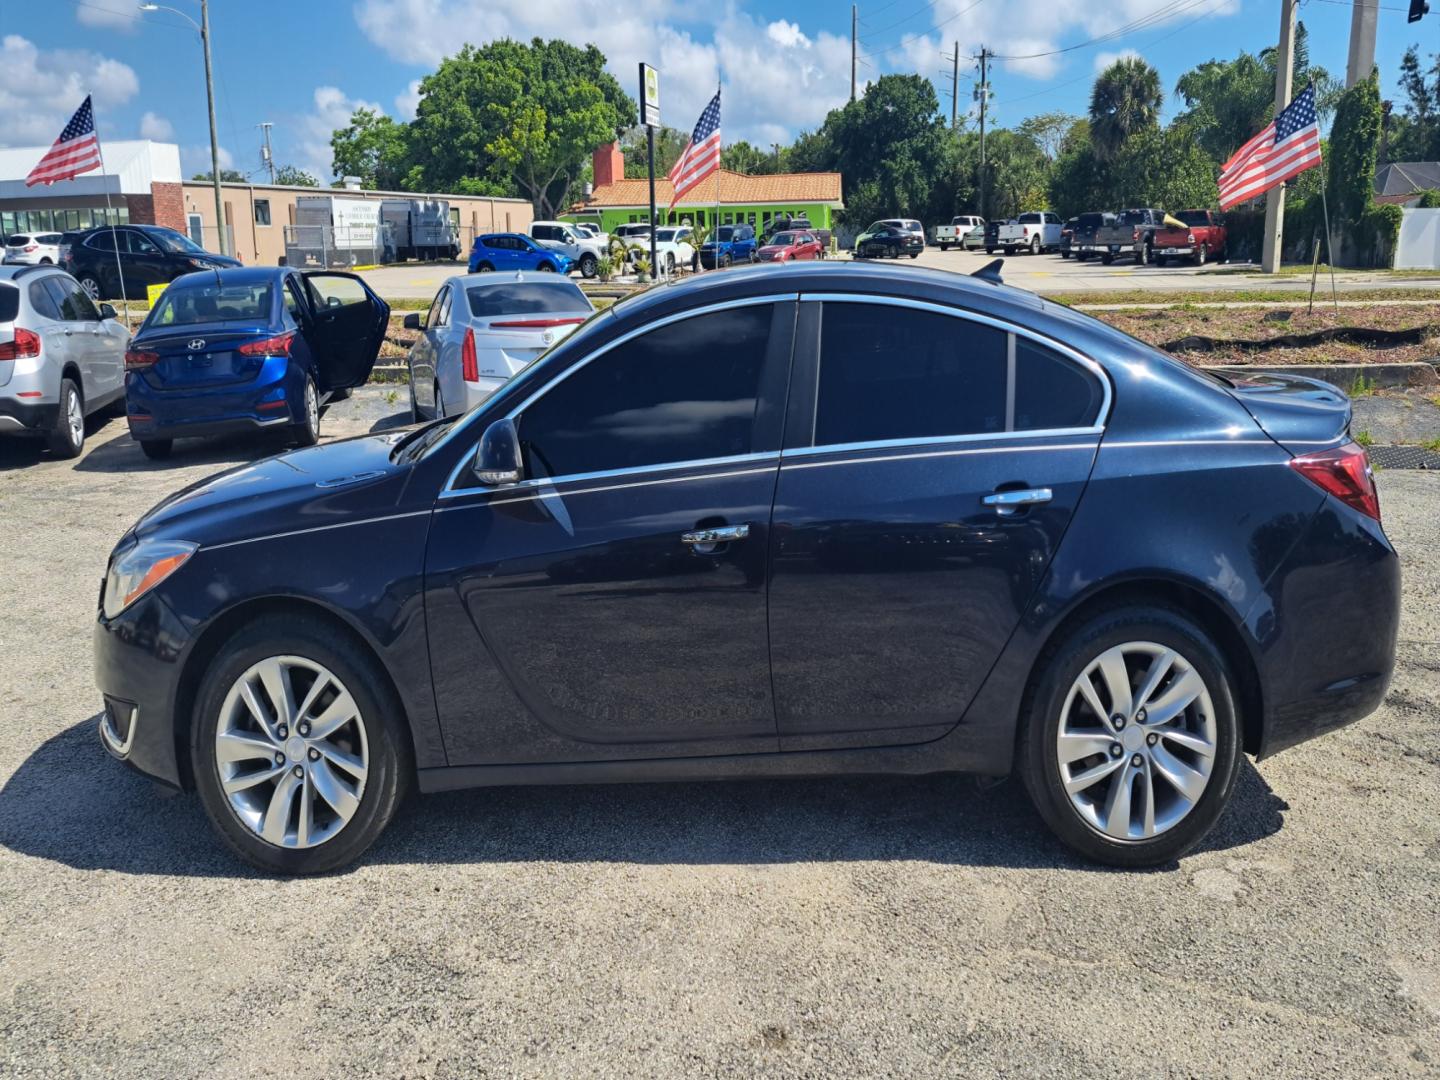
pixel 730 244
pixel 515 251
pixel 810 519
pixel 249 348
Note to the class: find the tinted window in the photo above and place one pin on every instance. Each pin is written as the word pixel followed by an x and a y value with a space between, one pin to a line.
pixel 1050 391
pixel 18 240
pixel 1090 221
pixel 40 299
pixel 207 302
pixel 1194 217
pixel 542 232
pixel 525 298
pixel 1029 219
pixel 262 211
pixel 897 373
pixel 684 392
pixel 1132 217
pixel 102 241
pixel 70 299
pixel 173 242
pixel 10 303
pixel 140 244
pixel 49 238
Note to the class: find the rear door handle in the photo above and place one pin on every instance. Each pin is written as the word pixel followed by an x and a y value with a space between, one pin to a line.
pixel 1010 502
pixel 709 538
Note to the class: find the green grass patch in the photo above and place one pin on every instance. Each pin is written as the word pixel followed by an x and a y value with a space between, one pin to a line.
pixel 1364 438
pixel 1131 297
pixel 1362 387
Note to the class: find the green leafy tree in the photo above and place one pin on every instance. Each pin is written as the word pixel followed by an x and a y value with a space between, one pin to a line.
pixel 1354 147
pixel 1415 133
pixel 1125 100
pixel 520 117
pixel 1017 171
pixel 741 157
pixel 227 176
pixel 373 147
pixel 1048 131
pixel 669 145
pixel 295 177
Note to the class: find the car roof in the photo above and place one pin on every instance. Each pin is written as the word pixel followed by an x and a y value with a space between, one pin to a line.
pixel 12 271
pixel 236 275
pixel 509 277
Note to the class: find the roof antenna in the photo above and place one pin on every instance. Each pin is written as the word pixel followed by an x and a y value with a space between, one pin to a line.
pixel 991 272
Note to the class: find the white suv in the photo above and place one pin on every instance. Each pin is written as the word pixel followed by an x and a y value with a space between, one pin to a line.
pixel 33 249
pixel 584 251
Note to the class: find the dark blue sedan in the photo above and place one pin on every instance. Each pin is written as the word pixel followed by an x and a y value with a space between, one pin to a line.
pixel 515 251
pixel 247 349
pixel 808 520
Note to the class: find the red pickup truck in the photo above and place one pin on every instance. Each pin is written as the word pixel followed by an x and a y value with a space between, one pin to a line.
pixel 1202 238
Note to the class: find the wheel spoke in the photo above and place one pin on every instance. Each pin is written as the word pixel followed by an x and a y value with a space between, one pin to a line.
pixel 335 716
pixel 1075 746
pixel 277 814
pixel 237 784
pixel 1176 698
pixel 232 746
pixel 1115 818
pixel 307 812
pixel 349 762
pixel 276 678
pixel 1147 817
pixel 318 687
pixel 1187 781
pixel 1159 668
pixel 1087 691
pixel 1089 777
pixel 1117 680
pixel 333 790
pixel 1188 739
pixel 262 715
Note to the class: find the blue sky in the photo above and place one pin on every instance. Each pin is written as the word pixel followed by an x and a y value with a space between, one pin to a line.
pixel 305 64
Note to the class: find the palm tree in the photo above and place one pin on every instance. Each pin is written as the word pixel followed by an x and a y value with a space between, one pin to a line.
pixel 1126 99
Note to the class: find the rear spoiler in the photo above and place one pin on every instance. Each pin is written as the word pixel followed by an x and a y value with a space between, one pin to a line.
pixel 991 272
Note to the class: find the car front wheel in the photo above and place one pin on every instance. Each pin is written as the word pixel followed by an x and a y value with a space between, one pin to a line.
pixel 1131 743
pixel 296 746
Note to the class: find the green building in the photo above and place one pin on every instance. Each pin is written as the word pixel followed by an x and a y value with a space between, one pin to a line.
pixel 754 199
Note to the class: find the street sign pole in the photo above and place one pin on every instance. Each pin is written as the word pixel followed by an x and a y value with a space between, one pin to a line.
pixel 650 117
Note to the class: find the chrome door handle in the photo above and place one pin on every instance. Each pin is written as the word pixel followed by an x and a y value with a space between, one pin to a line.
pixel 720 535
pixel 1008 502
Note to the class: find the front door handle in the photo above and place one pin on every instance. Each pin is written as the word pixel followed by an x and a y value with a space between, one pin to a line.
pixel 1011 502
pixel 709 538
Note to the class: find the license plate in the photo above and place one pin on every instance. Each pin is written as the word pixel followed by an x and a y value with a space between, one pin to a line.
pixel 1175 251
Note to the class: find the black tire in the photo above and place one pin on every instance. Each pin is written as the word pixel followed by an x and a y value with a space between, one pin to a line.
pixel 589 265
pixel 484 268
pixel 1064 254
pixel 669 264
pixel 157 449
pixel 391 766
pixel 944 247
pixel 46 261
pixel 1045 698
pixel 1161 260
pixel 753 257
pixel 914 254
pixel 1143 256
pixel 307 428
pixel 1201 253
pixel 1035 247
pixel 546 268
pixel 1107 258
pixel 91 284
pixel 989 251
pixel 724 262
pixel 65 439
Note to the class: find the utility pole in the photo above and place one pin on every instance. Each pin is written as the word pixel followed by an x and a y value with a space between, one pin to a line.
pixel 955 89
pixel 1362 41
pixel 1275 200
pixel 983 93
pixel 854 19
pixel 267 156
pixel 214 142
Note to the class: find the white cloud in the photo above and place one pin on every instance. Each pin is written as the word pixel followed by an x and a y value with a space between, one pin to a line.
pixel 108 14
pixel 42 88
pixel 786 34
pixel 1104 59
pixel 156 127
pixel 408 101
pixel 332 109
pixel 196 159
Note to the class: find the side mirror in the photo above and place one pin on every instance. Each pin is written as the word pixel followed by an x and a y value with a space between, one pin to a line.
pixel 412 321
pixel 108 312
pixel 497 458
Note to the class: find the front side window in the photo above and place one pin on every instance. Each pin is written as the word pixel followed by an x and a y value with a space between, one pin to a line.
pixel 336 290
pixel 901 373
pixel 140 244
pixel 176 243
pixel 684 392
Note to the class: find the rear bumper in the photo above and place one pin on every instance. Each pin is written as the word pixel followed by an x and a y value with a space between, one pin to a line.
pixel 274 398
pixel 24 416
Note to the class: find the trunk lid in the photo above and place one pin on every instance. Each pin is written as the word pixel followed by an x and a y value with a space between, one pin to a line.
pixel 505 350
pixel 1298 413
pixel 200 356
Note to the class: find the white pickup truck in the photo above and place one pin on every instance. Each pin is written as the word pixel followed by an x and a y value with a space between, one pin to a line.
pixel 1034 231
pixel 964 230
pixel 584 251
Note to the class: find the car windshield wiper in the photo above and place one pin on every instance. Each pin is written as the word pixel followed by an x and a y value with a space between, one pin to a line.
pixel 421 439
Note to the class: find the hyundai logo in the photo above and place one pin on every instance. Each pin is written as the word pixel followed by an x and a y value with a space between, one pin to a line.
pixel 196 344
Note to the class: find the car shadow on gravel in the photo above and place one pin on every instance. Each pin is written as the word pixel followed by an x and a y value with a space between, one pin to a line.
pixel 123 455
pixel 70 803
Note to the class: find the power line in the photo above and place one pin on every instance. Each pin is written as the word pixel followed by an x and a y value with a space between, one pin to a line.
pixel 114 13
pixel 904 41
pixel 1159 15
pixel 906 19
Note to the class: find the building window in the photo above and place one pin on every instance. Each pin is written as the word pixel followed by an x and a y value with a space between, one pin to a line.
pixel 752 217
pixel 262 211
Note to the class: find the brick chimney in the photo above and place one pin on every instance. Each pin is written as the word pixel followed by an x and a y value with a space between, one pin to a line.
pixel 609 164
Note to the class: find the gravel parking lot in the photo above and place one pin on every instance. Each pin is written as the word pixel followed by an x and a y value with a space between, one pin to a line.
pixel 887 927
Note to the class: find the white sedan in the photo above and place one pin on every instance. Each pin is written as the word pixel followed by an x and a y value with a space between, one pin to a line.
pixel 482 329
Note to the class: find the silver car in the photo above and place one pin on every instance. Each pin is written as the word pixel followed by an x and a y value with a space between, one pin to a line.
pixel 61 357
pixel 482 329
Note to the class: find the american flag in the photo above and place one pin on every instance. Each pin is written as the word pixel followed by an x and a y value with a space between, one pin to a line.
pixel 76 151
pixel 702 153
pixel 1287 146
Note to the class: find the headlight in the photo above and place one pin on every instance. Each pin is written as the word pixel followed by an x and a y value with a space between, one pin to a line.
pixel 138 570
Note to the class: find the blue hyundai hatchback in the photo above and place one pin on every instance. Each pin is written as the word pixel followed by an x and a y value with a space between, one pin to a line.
pixel 811 519
pixel 248 349
pixel 515 251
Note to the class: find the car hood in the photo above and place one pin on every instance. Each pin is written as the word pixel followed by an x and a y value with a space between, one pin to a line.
pixel 350 479
pixel 775 249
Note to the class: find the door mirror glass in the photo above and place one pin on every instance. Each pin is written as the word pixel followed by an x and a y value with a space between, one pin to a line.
pixel 412 321
pixel 497 458
pixel 107 312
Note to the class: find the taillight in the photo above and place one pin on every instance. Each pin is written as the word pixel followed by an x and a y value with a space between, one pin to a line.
pixel 26 343
pixel 136 359
pixel 469 363
pixel 33 247
pixel 537 324
pixel 1135 235
pixel 1344 473
pixel 275 346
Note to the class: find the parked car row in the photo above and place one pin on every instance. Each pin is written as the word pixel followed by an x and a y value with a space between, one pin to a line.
pixel 1145 234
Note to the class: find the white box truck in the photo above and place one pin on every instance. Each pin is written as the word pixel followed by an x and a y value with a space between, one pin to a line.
pixel 420 228
pixel 336 230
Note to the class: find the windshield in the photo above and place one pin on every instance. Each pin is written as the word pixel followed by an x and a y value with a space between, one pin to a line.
pixel 208 302
pixel 1194 217
pixel 525 298
pixel 665 236
pixel 880 226
pixel 725 232
pixel 1132 217
pixel 174 242
pixel 784 239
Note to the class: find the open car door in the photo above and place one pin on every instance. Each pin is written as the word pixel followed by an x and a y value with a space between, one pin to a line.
pixel 350 323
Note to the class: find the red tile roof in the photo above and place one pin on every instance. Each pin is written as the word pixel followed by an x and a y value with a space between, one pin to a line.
pixel 735 189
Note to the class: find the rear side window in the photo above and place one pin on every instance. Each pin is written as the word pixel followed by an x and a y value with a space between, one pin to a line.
pixel 1051 391
pixel 524 298
pixel 49 238
pixel 10 303
pixel 45 305
pixel 70 299
pixel 899 373
pixel 208 303
pixel 101 241
pixel 648 402
pixel 1029 219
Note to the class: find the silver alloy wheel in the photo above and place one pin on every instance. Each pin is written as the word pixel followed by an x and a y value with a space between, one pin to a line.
pixel 91 287
pixel 292 752
pixel 312 406
pixel 1136 742
pixel 75 419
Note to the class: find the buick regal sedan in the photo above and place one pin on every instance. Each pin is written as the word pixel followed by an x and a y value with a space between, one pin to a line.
pixel 816 519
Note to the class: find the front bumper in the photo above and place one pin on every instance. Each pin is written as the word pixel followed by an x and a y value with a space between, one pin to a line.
pixel 138 656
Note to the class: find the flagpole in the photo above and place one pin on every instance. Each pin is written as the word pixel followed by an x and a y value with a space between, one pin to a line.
pixel 110 217
pixel 1329 240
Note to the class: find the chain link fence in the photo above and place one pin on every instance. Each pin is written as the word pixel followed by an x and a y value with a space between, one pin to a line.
pixel 338 247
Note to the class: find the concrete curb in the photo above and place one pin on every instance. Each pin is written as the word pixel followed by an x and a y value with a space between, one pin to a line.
pixel 1345 376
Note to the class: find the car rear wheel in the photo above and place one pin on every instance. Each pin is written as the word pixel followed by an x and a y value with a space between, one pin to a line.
pixel 1035 245
pixel 91 285
pixel 589 265
pixel 67 437
pixel 1131 744
pixel 157 449
pixel 296 746
pixel 307 429
pixel 1142 255
pixel 1201 254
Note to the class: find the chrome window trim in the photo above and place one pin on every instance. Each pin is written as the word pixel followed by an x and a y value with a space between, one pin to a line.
pixel 943 440
pixel 1089 447
pixel 515 493
pixel 449 490
pixel 610 474
pixel 985 320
